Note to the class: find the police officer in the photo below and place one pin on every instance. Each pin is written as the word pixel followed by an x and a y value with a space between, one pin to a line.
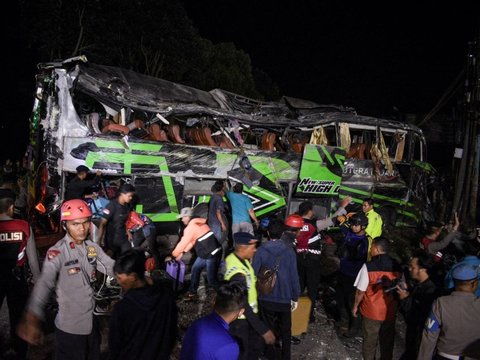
pixel 77 187
pixel 17 250
pixel 248 328
pixel 375 222
pixel 70 268
pixel 452 326
pixel 309 249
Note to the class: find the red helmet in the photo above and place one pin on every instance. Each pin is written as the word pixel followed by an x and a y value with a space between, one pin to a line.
pixel 294 221
pixel 75 209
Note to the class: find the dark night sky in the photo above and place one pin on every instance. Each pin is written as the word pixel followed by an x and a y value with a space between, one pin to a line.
pixel 372 58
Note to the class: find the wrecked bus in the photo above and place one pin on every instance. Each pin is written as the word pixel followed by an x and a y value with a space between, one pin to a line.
pixel 173 141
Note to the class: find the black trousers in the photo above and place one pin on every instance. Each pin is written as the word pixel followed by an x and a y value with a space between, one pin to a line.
pixel 345 297
pixel 16 292
pixel 249 341
pixel 279 319
pixel 78 347
pixel 413 338
pixel 118 246
pixel 309 275
pixel 148 235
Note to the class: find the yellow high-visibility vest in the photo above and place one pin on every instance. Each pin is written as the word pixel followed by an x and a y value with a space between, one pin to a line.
pixel 234 266
pixel 374 228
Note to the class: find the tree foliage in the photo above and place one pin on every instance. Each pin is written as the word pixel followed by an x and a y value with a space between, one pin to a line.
pixel 154 37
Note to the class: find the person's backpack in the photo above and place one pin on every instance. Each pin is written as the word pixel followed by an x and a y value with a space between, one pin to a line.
pixel 207 246
pixel 97 205
pixel 267 278
pixel 134 222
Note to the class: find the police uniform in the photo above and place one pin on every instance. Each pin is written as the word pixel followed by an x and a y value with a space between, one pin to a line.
pixel 235 265
pixel 70 269
pixel 452 328
pixel 16 240
pixel 375 223
pixel 309 250
pixel 248 327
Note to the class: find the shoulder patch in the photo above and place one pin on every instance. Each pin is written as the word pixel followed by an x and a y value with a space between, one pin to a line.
pixel 432 324
pixel 52 254
pixel 91 251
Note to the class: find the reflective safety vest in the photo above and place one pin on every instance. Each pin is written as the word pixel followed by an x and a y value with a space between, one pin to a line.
pixel 308 238
pixel 234 266
pixel 373 229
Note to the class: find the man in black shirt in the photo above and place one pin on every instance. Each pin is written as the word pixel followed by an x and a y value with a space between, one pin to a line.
pixel 117 238
pixel 78 186
pixel 144 323
pixel 415 303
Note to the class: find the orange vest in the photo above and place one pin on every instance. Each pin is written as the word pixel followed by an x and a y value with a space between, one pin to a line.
pixel 378 304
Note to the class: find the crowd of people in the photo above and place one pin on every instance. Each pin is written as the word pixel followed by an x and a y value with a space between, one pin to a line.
pixel 13 177
pixel 440 306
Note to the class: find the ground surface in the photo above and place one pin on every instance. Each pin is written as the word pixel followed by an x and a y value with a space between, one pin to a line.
pixel 322 341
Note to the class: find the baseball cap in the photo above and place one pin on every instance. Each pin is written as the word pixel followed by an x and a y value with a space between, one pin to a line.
pixel 464 272
pixel 82 168
pixel 187 211
pixel 244 238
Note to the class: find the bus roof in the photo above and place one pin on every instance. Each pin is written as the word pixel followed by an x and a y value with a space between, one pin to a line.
pixel 118 88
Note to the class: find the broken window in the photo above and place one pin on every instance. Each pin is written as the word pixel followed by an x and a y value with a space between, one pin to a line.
pixel 324 135
pixel 417 147
pixel 395 144
pixel 361 139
